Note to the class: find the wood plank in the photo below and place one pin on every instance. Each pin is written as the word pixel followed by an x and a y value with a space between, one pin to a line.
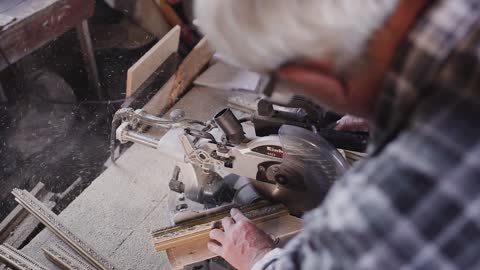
pixel 199 228
pixel 178 84
pixel 18 214
pixel 151 86
pixel 190 68
pixel 153 59
pixel 159 104
pixel 26 229
pixel 283 228
pixel 37 25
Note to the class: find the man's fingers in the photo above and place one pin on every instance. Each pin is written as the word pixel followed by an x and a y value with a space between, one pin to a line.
pixel 237 215
pixel 215 248
pixel 351 123
pixel 227 222
pixel 217 235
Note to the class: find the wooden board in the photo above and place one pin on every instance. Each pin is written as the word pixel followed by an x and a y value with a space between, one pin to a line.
pixel 152 60
pixel 190 68
pixel 198 228
pixel 178 84
pixel 18 214
pixel 39 21
pixel 151 86
pixel 283 228
pixel 159 103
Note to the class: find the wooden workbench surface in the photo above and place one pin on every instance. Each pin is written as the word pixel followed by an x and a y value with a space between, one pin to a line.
pixel 117 213
pixel 21 9
pixel 35 22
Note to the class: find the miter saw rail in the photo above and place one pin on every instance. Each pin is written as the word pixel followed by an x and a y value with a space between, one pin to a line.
pixel 295 167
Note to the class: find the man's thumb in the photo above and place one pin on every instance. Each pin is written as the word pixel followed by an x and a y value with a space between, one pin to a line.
pixel 237 215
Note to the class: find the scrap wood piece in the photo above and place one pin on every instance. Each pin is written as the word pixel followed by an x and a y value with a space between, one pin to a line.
pixel 155 82
pixel 28 226
pixel 52 222
pixel 282 228
pixel 65 259
pixel 198 229
pixel 16 259
pixel 191 67
pixel 178 84
pixel 19 214
pixel 152 60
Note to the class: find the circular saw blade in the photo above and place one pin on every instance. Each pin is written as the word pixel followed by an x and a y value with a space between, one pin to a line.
pixel 310 167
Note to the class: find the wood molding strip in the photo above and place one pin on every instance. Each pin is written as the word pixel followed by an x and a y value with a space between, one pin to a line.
pixel 54 224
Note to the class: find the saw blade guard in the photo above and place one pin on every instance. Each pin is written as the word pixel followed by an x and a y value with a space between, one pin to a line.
pixel 314 158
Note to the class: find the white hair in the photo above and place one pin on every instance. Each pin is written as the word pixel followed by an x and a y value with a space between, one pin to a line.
pixel 262 35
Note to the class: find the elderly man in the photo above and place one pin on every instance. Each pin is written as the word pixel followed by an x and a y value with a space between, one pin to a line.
pixel 412 68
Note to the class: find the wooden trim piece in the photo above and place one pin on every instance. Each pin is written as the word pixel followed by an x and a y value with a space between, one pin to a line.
pixel 187 233
pixel 15 259
pixel 282 228
pixel 152 60
pixel 55 225
pixel 28 226
pixel 65 259
pixel 18 214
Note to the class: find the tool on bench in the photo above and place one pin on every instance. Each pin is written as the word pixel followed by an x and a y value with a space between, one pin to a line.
pixel 221 162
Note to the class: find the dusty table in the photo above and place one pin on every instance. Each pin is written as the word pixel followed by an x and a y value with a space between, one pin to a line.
pixel 26 25
pixel 117 213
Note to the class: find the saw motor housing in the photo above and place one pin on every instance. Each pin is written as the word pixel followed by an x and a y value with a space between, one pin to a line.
pixel 209 155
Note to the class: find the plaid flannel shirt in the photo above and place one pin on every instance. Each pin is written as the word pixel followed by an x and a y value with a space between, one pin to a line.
pixel 415 203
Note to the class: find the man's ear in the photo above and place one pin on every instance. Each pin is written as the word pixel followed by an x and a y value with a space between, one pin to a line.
pixel 315 80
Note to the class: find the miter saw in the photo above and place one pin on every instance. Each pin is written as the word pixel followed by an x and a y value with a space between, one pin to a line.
pixel 222 162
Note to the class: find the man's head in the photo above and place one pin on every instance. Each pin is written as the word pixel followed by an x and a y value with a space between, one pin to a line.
pixel 309 43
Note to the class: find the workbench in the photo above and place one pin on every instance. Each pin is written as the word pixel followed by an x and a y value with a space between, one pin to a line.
pixel 27 25
pixel 118 211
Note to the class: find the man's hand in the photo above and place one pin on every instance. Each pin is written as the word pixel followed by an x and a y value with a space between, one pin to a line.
pixel 353 124
pixel 241 243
